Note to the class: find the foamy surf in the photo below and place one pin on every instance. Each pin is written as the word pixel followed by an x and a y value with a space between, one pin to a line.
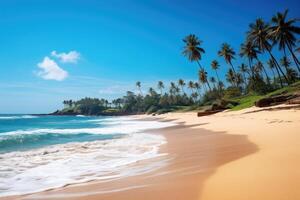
pixel 53 166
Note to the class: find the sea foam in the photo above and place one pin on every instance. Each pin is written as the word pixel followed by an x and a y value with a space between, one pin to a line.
pixel 54 166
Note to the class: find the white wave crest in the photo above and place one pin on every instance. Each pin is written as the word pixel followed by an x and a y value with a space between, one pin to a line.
pixel 18 117
pixel 118 127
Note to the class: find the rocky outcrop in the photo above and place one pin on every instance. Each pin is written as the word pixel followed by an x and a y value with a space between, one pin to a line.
pixel 276 100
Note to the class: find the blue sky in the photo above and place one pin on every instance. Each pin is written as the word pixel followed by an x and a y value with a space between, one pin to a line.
pixel 56 50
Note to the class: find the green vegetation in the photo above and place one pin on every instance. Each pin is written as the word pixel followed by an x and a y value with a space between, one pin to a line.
pixel 247 83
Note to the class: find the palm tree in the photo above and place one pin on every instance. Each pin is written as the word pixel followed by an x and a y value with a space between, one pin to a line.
pixel 181 83
pixel 191 85
pixel 192 49
pixel 249 51
pixel 203 78
pixel 138 85
pixel 230 77
pixel 292 74
pixel 160 86
pixel 215 66
pixel 213 81
pixel 228 53
pixel 259 37
pixel 283 32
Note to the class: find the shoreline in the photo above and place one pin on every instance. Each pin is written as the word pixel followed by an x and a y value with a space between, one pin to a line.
pixel 253 153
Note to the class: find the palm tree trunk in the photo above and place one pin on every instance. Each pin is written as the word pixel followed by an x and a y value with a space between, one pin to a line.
pixel 200 65
pixel 232 67
pixel 294 57
pixel 278 68
pixel 182 89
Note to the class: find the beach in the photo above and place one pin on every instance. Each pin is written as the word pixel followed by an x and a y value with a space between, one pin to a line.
pixel 249 154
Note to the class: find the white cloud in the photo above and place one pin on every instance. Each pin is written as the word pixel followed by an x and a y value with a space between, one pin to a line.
pixel 71 57
pixel 51 71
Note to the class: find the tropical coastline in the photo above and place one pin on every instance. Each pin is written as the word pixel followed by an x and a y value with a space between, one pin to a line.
pixel 149 100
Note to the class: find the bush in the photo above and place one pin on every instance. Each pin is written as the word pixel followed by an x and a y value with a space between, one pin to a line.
pixel 232 92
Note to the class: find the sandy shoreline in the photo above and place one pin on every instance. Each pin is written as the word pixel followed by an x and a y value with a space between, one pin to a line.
pixel 229 155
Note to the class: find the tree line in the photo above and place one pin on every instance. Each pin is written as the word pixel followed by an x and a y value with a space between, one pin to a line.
pixel 252 75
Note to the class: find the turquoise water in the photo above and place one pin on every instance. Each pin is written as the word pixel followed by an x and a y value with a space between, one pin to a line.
pixel 44 152
pixel 23 132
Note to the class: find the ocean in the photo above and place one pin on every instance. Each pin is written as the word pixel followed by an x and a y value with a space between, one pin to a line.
pixel 44 152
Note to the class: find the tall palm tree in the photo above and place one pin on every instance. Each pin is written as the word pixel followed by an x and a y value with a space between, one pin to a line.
pixel 160 86
pixel 192 49
pixel 283 32
pixel 181 83
pixel 258 35
pixel 215 66
pixel 249 51
pixel 138 85
pixel 191 85
pixel 230 77
pixel 228 53
pixel 203 78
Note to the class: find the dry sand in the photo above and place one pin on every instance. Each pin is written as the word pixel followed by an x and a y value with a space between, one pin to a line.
pixel 248 154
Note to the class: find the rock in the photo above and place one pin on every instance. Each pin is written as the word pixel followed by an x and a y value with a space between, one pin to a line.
pixel 207 112
pixel 294 101
pixel 274 100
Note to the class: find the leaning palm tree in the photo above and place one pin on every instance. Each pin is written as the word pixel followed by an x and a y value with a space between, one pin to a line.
pixel 228 53
pixel 203 78
pixel 181 83
pixel 283 31
pixel 138 85
pixel 215 66
pixel 249 51
pixel 192 49
pixel 259 36
pixel 191 86
pixel 160 86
